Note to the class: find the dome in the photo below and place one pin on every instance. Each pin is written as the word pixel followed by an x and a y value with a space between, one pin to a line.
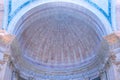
pixel 57 39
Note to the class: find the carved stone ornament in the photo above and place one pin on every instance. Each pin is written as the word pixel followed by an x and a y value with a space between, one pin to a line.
pixel 113 40
pixel 5 40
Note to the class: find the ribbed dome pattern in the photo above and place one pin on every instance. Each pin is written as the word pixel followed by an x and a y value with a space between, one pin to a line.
pixel 60 37
pixel 58 41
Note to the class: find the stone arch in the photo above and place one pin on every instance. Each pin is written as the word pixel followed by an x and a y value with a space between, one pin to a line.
pixel 23 31
pixel 18 18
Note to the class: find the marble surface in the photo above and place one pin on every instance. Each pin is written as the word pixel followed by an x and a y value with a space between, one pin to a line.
pixel 118 13
pixel 1 12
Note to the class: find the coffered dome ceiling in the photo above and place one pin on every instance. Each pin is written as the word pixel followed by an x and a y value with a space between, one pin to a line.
pixel 57 39
pixel 61 38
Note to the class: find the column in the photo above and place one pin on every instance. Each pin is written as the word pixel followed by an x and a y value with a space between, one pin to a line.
pixel 113 63
pixel 5 69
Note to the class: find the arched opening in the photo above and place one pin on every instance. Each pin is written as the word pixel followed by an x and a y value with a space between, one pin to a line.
pixel 58 41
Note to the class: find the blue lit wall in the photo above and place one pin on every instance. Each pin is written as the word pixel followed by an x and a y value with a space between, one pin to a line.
pixel 15 8
pixel 103 6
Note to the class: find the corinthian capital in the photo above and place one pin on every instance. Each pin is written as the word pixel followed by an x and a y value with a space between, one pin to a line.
pixel 5 40
pixel 113 40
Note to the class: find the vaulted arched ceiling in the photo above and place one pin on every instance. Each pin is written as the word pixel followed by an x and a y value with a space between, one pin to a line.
pixel 57 40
